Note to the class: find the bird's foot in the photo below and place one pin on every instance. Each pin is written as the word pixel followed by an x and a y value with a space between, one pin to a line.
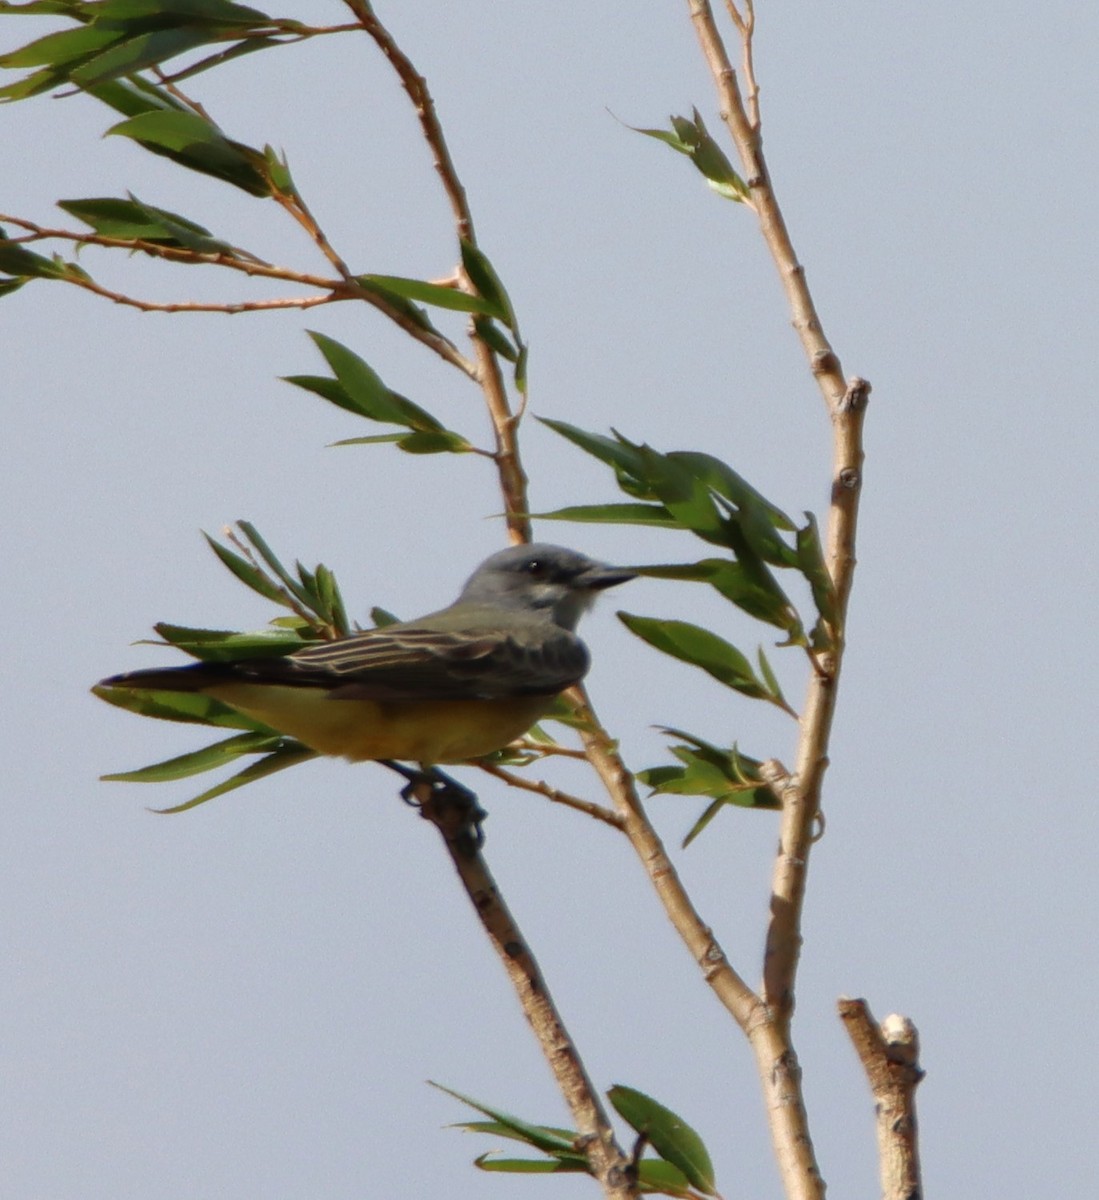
pixel 445 802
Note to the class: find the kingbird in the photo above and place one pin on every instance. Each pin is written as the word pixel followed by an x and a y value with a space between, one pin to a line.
pixel 451 686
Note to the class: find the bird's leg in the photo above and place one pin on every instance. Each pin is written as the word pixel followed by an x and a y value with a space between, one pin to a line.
pixel 445 802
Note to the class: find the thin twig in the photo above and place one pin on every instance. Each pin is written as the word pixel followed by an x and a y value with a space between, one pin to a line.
pixel 248 264
pixel 890 1054
pixel 198 306
pixel 454 812
pixel 589 807
pixel 513 481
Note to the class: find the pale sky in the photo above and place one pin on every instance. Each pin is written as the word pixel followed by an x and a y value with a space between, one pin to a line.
pixel 244 1001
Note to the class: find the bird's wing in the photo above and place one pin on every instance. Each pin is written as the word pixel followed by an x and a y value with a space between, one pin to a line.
pixel 410 662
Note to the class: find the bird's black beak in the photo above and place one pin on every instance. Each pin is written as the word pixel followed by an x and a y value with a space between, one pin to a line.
pixel 598 576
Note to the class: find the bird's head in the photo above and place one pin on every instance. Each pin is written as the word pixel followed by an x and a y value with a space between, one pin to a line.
pixel 548 580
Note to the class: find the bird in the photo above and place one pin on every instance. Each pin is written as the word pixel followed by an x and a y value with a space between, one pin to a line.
pixel 448 687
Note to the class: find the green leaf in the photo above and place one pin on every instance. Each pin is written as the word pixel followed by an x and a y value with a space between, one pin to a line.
pixel 7 286
pixel 397 303
pixel 812 565
pixel 701 648
pixel 613 514
pixel 668 1134
pixel 521 369
pixel 622 456
pixel 217 645
pixel 207 759
pixel 771 680
pixel 271 559
pixel 542 1137
pixel 192 708
pixel 198 144
pixel 133 54
pixel 62 48
pixel 382 617
pixel 435 294
pixel 530 1166
pixel 288 754
pixel 199 11
pixel 131 97
pixel 365 392
pixel 17 260
pixel 483 276
pixel 657 1176
pixel 434 441
pixel 693 139
pixel 278 171
pixel 132 219
pixel 494 339
pixel 251 576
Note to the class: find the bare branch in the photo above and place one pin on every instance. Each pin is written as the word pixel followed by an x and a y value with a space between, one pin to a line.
pixel 247 264
pixel 823 361
pixel 454 812
pixel 589 807
pixel 513 480
pixel 889 1054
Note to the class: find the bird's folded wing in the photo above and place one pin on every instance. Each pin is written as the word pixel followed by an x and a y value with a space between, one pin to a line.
pixel 398 663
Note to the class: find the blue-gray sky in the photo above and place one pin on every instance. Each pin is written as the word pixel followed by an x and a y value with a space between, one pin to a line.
pixel 245 1000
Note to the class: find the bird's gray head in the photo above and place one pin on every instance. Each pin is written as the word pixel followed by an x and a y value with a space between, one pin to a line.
pixel 545 580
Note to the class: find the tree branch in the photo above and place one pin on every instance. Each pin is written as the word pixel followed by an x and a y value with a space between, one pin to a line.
pixel 453 810
pixel 513 481
pixel 588 807
pixel 889 1054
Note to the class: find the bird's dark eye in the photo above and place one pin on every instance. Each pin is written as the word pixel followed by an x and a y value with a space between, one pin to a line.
pixel 537 568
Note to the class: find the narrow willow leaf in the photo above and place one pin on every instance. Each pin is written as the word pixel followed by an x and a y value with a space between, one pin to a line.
pixel 521 369
pixel 701 648
pixel 250 575
pixel 278 171
pixel 133 54
pixel 192 708
pixel 486 330
pixel 373 440
pixel 542 1137
pixel 708 814
pixel 131 219
pixel 771 680
pixel 17 260
pixel 668 1134
pixel 63 48
pixel 529 1166
pixel 365 389
pixel 7 286
pixel 289 754
pixel 813 567
pixel 271 559
pixel 724 480
pixel 434 441
pixel 400 305
pixel 198 144
pixel 613 514
pixel 131 97
pixel 483 276
pixel 622 457
pixel 436 295
pixel 215 645
pixel 209 758
pixel 656 1176
pixel 208 11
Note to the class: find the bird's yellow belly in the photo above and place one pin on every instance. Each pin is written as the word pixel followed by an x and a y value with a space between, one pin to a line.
pixel 424 731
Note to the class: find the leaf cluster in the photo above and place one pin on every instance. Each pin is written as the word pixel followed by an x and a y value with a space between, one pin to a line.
pixel 682 1166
